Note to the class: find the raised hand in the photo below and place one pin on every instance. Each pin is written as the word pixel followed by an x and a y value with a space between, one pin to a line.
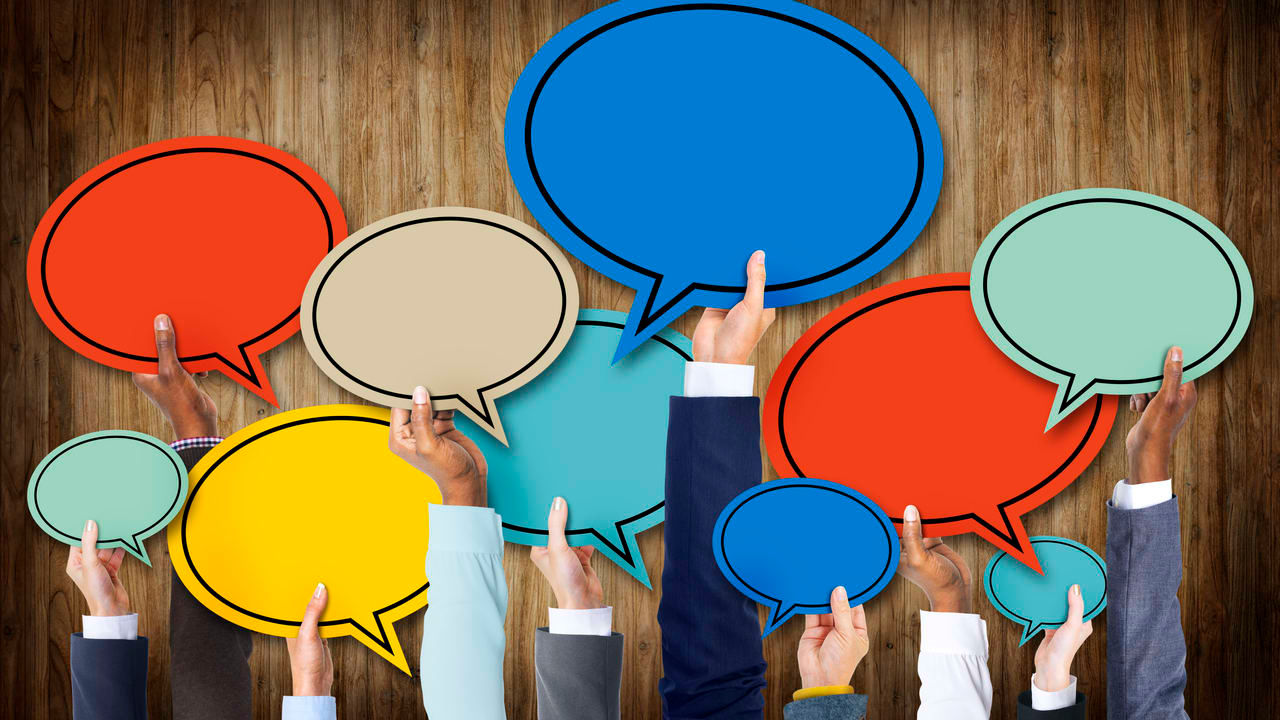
pixel 567 569
pixel 429 441
pixel 310 662
pixel 1059 646
pixel 189 410
pixel 1150 441
pixel 934 568
pixel 729 336
pixel 97 574
pixel 832 645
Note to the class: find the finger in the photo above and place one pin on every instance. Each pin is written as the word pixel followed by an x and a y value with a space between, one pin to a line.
pixel 202 374
pixel 538 555
pixel 841 613
pixel 556 520
pixel 167 346
pixel 310 627
pixel 1133 403
pixel 424 435
pixel 442 422
pixel 931 543
pixel 89 545
pixel 811 621
pixel 1172 372
pixel 113 564
pixel 754 297
pixel 912 543
pixel 859 616
pixel 399 421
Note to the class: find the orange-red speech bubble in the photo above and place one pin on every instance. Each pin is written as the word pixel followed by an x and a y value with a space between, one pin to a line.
pixel 899 394
pixel 220 233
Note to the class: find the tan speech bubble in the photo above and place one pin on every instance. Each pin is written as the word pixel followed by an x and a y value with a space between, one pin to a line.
pixel 470 303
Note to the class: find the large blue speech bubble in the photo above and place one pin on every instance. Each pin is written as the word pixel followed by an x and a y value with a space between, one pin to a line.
pixel 662 143
pixel 788 543
pixel 129 483
pixel 594 433
pixel 1039 601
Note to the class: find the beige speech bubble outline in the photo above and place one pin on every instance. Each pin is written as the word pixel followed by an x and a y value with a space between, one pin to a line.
pixel 469 303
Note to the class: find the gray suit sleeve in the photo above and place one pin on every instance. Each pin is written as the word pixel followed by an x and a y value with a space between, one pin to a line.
pixel 579 676
pixel 827 707
pixel 1146 651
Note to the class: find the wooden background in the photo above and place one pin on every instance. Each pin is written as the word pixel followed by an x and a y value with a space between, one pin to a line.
pixel 399 104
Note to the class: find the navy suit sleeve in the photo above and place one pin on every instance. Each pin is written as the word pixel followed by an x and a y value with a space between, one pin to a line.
pixel 108 679
pixel 711 647
pixel 1070 712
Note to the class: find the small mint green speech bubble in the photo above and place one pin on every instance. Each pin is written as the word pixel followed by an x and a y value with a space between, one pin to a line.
pixel 1090 288
pixel 131 484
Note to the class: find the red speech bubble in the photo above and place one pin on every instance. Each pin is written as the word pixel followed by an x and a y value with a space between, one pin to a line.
pixel 220 233
pixel 899 394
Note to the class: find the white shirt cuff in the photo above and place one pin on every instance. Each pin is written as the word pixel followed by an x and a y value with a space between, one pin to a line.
pixel 953 633
pixel 116 627
pixel 705 379
pixel 1142 495
pixel 594 621
pixel 309 707
pixel 1056 700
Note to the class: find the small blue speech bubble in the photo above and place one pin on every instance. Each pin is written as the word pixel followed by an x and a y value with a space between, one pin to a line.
pixel 594 433
pixel 129 483
pixel 662 142
pixel 1039 601
pixel 788 543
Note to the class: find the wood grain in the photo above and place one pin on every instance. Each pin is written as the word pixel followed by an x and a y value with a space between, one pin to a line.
pixel 399 104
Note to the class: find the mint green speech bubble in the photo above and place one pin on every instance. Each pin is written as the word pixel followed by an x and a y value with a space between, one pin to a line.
pixel 131 484
pixel 1090 288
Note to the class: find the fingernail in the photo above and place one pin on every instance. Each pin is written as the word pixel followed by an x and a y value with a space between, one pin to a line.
pixel 162 322
pixel 757 256
pixel 911 514
pixel 1175 354
pixel 1075 590
pixel 557 504
pixel 841 593
pixel 419 395
pixel 88 525
pixel 319 589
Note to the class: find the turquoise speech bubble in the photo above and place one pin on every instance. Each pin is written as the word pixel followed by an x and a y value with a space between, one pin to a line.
pixel 1038 602
pixel 129 483
pixel 1090 288
pixel 593 433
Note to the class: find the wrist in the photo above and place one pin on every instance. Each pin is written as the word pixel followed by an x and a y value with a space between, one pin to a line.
pixel 469 496
pixel 310 689
pixel 189 427
pixel 572 601
pixel 951 601
pixel 1147 468
pixel 1052 679
pixel 108 610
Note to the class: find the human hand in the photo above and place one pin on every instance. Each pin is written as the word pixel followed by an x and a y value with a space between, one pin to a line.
pixel 1059 646
pixel 189 410
pixel 1150 442
pixel 729 336
pixel 567 569
pixel 832 645
pixel 97 574
pixel 310 662
pixel 430 442
pixel 934 568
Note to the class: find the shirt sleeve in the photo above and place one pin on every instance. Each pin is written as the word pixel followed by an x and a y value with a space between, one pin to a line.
pixel 1142 495
pixel 117 627
pixel 322 707
pixel 593 621
pixel 704 379
pixel 1055 700
pixel 954 679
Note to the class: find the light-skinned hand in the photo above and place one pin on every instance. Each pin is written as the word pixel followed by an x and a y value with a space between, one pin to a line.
pixel 189 410
pixel 1059 646
pixel 1150 442
pixel 729 336
pixel 934 568
pixel 833 644
pixel 310 662
pixel 97 574
pixel 567 569
pixel 429 441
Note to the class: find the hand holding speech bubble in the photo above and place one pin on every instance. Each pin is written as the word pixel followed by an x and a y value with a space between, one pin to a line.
pixel 129 483
pixel 1088 289
pixel 662 142
pixel 594 433
pixel 468 303
pixel 899 394
pixel 219 233
pixel 1039 601
pixel 788 543
pixel 308 496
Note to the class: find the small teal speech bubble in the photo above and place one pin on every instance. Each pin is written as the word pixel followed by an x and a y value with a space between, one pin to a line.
pixel 592 432
pixel 129 483
pixel 1090 288
pixel 788 543
pixel 1038 601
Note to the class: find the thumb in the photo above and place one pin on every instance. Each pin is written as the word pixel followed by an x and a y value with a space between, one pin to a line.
pixel 1075 608
pixel 167 346
pixel 754 297
pixel 89 546
pixel 315 608
pixel 912 542
pixel 424 434
pixel 556 520
pixel 1172 372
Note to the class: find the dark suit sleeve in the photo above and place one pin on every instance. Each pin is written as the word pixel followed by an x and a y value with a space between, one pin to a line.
pixel 1146 651
pixel 209 669
pixel 1071 712
pixel 108 679
pixel 827 707
pixel 579 676
pixel 711 648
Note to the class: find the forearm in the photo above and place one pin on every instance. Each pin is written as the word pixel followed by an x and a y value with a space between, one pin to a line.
pixel 108 678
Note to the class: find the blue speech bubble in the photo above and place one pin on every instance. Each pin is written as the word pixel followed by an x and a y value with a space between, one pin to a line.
pixel 129 483
pixel 788 543
pixel 594 433
pixel 662 143
pixel 1039 601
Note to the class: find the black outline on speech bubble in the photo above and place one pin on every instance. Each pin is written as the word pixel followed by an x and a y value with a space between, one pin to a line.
pixel 624 553
pixel 1030 626
pixel 383 642
pixel 252 375
pixel 778 613
pixel 1008 535
pixel 483 411
pixel 142 534
pixel 648 315
pixel 1068 396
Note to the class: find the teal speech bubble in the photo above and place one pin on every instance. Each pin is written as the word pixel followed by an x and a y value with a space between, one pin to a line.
pixel 1037 602
pixel 1090 288
pixel 129 483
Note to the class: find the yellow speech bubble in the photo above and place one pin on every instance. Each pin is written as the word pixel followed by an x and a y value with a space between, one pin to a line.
pixel 307 496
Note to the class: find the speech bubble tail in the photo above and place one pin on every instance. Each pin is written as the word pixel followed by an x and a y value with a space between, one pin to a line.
pixel 1029 631
pixel 618 542
pixel 247 370
pixel 1072 393
pixel 483 411
pixel 778 616
pixel 1007 533
pixel 652 310
pixel 380 638
pixel 133 545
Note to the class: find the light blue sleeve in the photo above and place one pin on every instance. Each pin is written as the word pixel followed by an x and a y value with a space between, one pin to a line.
pixel 463 638
pixel 296 707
